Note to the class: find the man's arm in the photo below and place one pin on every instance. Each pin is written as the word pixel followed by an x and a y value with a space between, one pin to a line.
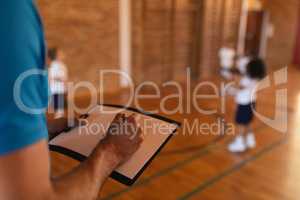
pixel 26 175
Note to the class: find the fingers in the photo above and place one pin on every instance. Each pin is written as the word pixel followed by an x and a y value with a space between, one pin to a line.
pixel 131 118
pixel 119 117
pixel 129 126
pixel 137 140
pixel 138 136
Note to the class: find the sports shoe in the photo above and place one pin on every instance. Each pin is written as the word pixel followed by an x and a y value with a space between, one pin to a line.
pixel 238 145
pixel 250 140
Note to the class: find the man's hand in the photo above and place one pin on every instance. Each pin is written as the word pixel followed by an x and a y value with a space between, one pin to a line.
pixel 123 139
pixel 20 170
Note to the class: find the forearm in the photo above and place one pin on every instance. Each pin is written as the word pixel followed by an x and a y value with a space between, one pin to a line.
pixel 85 181
pixel 25 173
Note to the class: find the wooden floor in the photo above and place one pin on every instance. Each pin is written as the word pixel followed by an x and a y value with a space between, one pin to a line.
pixel 199 166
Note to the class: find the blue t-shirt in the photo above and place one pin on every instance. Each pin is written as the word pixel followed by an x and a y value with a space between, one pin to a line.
pixel 24 84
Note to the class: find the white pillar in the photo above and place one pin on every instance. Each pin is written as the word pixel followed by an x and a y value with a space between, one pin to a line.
pixel 125 39
pixel 243 28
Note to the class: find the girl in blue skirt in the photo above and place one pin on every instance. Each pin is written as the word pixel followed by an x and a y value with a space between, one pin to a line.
pixel 245 99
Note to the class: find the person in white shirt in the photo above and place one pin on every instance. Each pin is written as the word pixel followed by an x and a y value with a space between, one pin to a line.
pixel 242 63
pixel 226 56
pixel 58 77
pixel 245 98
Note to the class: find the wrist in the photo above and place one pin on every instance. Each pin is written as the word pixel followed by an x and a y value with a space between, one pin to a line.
pixel 110 154
pixel 106 158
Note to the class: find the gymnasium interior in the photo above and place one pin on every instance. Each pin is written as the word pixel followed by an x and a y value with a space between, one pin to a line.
pixel 163 41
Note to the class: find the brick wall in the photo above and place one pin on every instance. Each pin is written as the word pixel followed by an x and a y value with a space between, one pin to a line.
pixel 184 30
pixel 212 36
pixel 87 32
pixel 220 28
pixel 284 17
pixel 164 35
pixel 153 40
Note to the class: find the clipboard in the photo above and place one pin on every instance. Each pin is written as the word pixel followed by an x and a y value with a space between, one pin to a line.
pixel 78 146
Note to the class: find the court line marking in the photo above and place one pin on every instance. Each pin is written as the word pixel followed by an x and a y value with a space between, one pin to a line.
pixel 196 148
pixel 232 170
pixel 177 165
pixel 174 167
pixel 188 149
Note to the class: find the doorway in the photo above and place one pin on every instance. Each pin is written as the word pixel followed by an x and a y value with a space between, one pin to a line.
pixel 256 36
pixel 296 60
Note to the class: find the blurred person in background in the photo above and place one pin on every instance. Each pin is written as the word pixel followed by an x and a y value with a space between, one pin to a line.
pixel 58 77
pixel 245 97
pixel 241 64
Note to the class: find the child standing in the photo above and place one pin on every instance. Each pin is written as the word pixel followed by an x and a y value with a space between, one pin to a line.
pixel 245 99
pixel 58 76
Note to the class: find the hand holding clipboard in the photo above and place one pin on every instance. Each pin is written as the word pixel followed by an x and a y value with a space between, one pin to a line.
pixel 123 137
pixel 156 131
